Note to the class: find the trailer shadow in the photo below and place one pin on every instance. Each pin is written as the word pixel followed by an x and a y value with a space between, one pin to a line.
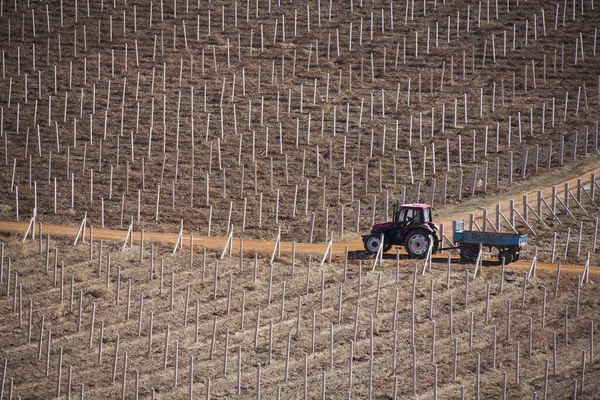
pixel 454 259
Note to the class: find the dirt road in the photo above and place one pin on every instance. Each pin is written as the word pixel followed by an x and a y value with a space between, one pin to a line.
pixel 354 244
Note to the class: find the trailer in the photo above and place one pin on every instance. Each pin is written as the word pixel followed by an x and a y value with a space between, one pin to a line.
pixel 508 244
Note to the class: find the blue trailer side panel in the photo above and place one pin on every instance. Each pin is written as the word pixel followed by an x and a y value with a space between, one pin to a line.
pixel 499 239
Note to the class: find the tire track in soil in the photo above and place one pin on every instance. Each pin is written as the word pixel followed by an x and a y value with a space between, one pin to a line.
pixel 355 245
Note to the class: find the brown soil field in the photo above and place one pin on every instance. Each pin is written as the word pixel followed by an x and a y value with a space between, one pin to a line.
pixel 311 291
pixel 154 134
pixel 310 119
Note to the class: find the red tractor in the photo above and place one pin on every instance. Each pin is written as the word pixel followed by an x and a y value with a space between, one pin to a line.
pixel 411 227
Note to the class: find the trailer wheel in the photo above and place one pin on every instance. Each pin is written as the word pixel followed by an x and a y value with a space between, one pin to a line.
pixel 515 255
pixel 417 243
pixel 468 253
pixel 506 255
pixel 372 243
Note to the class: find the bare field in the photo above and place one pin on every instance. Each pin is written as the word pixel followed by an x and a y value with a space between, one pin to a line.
pixel 258 292
pixel 142 104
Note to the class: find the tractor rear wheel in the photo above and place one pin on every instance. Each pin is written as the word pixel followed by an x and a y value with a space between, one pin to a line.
pixel 417 243
pixel 372 243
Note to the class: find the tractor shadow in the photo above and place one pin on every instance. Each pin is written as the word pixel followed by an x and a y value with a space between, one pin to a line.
pixel 360 255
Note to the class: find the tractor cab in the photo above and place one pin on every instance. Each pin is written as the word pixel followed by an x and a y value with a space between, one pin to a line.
pixel 409 214
pixel 410 227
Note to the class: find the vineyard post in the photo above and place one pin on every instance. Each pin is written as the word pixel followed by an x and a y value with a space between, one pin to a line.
pixel 350 359
pixel 59 376
pixel 100 342
pixel 80 313
pixel 566 325
pixel 494 345
pixel 554 360
pixel 432 341
pixel 48 347
pixel 508 306
pixel 92 326
pixel 530 337
pixel 544 308
pixel 172 292
pixel 544 397
pixel 517 363
pixel 141 314
pixel 243 308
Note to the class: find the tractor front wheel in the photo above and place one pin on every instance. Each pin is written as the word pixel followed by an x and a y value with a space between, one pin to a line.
pixel 372 243
pixel 417 243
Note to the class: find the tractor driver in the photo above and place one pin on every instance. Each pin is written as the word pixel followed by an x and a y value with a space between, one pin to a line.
pixel 409 216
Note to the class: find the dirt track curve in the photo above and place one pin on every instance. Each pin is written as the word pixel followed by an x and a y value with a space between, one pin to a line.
pixel 472 206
